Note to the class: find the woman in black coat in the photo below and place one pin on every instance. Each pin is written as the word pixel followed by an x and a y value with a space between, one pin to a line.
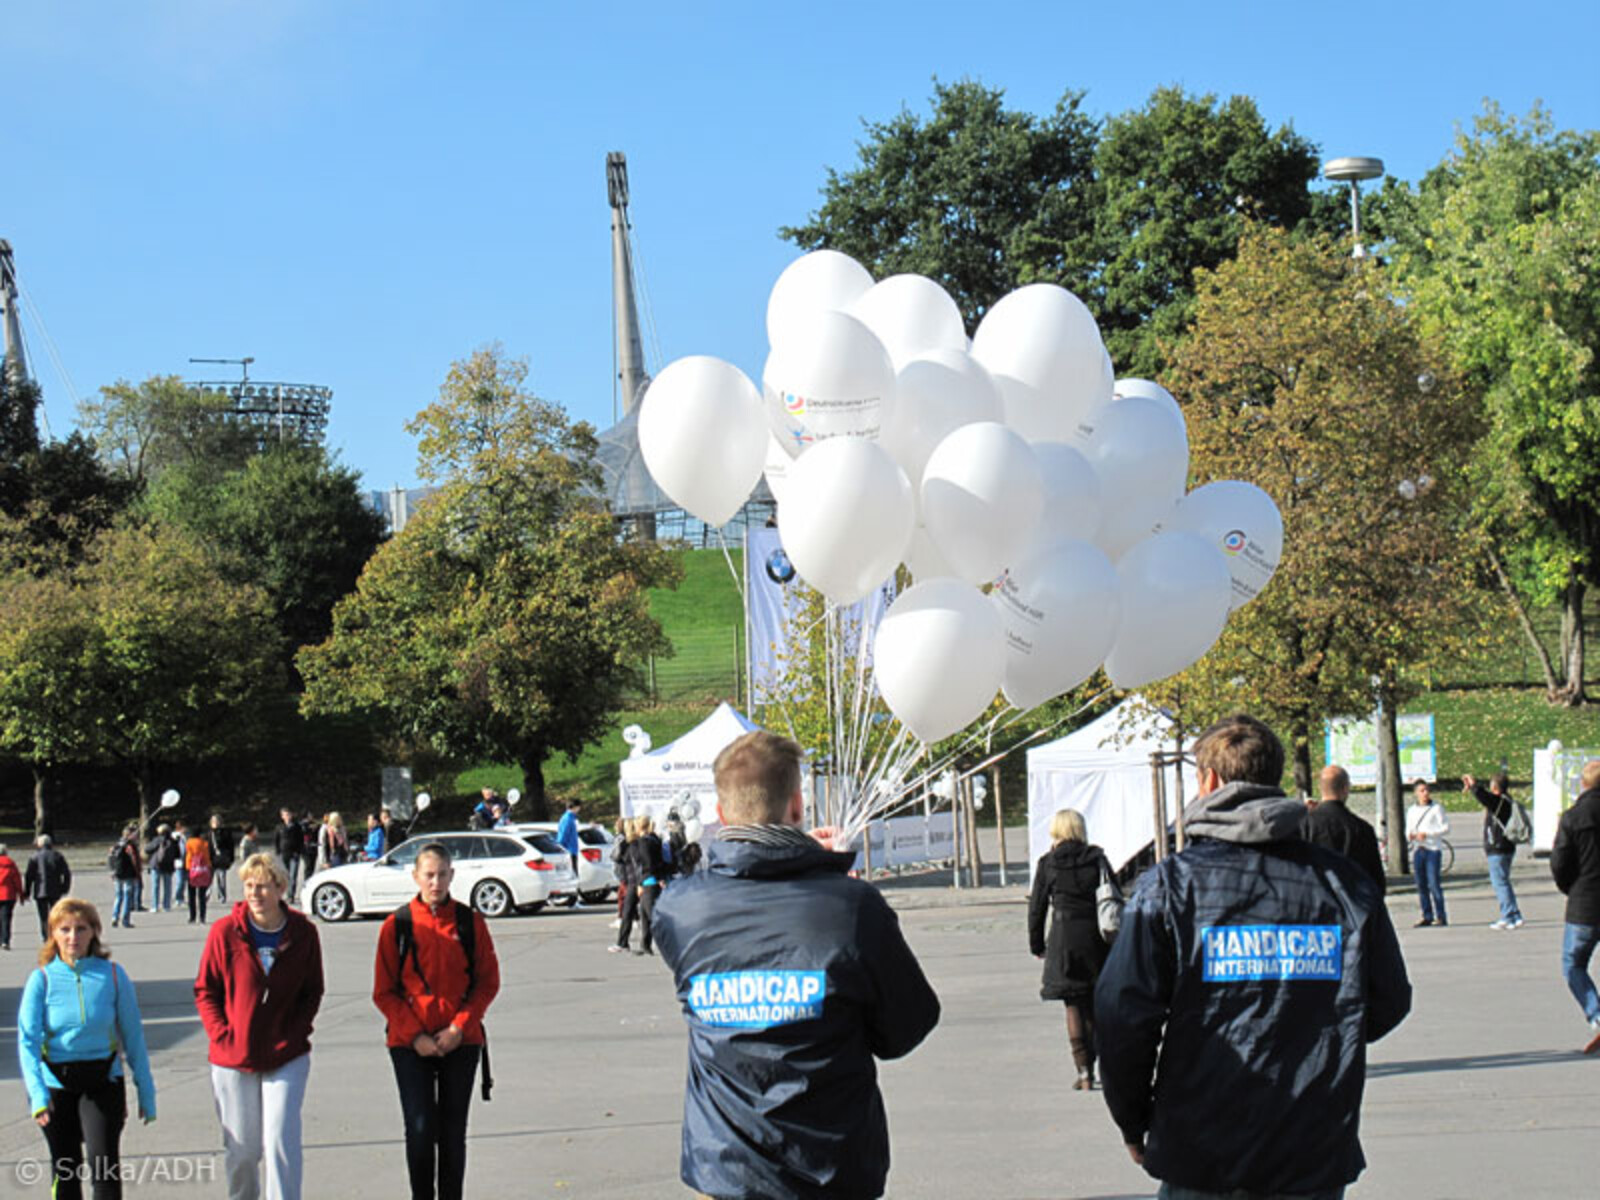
pixel 1064 884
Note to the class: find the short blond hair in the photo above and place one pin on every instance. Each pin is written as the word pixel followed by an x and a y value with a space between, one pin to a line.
pixel 65 909
pixel 757 775
pixel 264 864
pixel 1067 826
pixel 646 824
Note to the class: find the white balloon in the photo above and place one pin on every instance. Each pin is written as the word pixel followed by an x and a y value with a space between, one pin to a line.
pixel 689 809
pixel 693 829
pixel 1242 521
pixel 923 559
pixel 169 798
pixel 423 801
pixel 1072 506
pixel 822 281
pixel 939 657
pixel 1175 595
pixel 846 517
pixel 981 499
pixel 1126 389
pixel 1126 526
pixel 703 434
pixel 912 316
pixel 827 378
pixel 1060 605
pixel 933 397
pixel 776 467
pixel 1041 344
pixel 1135 450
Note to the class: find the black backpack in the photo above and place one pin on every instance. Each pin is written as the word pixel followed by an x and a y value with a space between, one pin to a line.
pixel 114 856
pixel 405 944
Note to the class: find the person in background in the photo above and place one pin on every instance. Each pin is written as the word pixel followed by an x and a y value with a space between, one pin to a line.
pixel 288 841
pixel 311 829
pixel 374 845
pixel 1426 825
pixel 1330 823
pixel 10 893
pixel 567 832
pixel 645 870
pixel 1575 867
pixel 333 847
pixel 221 839
pixel 433 982
pixel 621 867
pixel 393 832
pixel 1498 849
pixel 157 853
pixel 258 990
pixel 251 844
pixel 197 870
pixel 1064 886
pixel 482 815
pixel 180 867
pixel 78 1020
pixel 125 872
pixel 47 879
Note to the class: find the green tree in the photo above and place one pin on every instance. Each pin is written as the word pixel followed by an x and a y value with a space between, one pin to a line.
pixel 976 196
pixel 1301 375
pixel 1497 251
pixel 290 520
pixel 508 619
pixel 142 429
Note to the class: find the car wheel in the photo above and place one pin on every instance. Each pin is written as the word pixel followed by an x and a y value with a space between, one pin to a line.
pixel 492 898
pixel 331 903
pixel 598 897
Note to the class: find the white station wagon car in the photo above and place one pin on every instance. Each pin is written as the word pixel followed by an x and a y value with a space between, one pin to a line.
pixel 597 875
pixel 499 872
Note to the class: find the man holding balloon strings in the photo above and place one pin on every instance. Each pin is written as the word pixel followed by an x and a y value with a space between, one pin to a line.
pixel 793 978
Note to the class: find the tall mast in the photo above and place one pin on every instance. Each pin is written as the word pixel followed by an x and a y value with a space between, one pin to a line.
pixel 631 376
pixel 15 359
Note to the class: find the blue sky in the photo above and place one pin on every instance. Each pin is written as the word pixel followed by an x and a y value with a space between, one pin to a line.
pixel 357 193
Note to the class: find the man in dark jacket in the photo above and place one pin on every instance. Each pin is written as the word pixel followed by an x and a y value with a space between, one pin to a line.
pixel 1575 864
pixel 1499 850
pixel 1330 823
pixel 289 843
pixel 1250 972
pixel 47 879
pixel 793 977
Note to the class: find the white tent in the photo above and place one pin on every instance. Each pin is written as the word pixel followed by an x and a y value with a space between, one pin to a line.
pixel 651 783
pixel 1103 771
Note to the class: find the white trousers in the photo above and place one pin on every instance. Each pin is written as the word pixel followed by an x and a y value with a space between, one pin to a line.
pixel 260 1115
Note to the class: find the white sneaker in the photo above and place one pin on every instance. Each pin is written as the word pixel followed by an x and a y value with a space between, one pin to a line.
pixel 1516 923
pixel 617 924
pixel 1502 923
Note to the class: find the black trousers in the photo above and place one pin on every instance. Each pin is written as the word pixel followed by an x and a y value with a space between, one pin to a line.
pixel 435 1094
pixel 44 916
pixel 6 909
pixel 640 905
pixel 197 902
pixel 85 1130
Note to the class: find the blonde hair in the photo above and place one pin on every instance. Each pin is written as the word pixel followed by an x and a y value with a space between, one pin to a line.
pixel 264 864
pixel 336 820
pixel 647 824
pixel 1067 826
pixel 630 829
pixel 757 776
pixel 66 908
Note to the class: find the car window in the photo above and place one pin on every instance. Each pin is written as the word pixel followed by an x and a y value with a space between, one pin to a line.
pixel 463 846
pixel 593 837
pixel 500 847
pixel 544 843
pixel 405 854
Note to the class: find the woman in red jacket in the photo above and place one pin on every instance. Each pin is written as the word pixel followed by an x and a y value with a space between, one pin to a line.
pixel 258 991
pixel 10 893
pixel 433 996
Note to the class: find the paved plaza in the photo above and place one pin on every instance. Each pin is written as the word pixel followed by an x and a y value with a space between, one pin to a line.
pixel 1480 1093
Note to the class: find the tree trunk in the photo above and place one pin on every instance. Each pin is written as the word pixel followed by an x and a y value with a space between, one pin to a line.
pixel 1551 686
pixel 43 819
pixel 141 783
pixel 533 794
pixel 1393 798
pixel 1572 693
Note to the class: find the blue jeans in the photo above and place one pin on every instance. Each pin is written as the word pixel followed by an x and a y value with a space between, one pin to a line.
pixel 122 907
pixel 180 884
pixel 1577 946
pixel 1500 877
pixel 160 889
pixel 1173 1191
pixel 1425 870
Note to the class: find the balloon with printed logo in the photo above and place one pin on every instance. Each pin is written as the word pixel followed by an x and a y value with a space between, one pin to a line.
pixel 981 498
pixel 933 397
pixel 830 377
pixel 818 282
pixel 939 656
pixel 846 517
pixel 1175 596
pixel 1072 506
pixel 1126 389
pixel 703 434
pixel 1042 346
pixel 776 467
pixel 912 315
pixel 1060 605
pixel 1242 521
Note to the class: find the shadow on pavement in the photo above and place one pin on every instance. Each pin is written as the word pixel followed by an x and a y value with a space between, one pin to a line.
pixel 1478 1062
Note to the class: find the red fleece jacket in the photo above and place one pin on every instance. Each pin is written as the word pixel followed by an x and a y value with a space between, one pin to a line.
pixel 258 1021
pixel 413 1007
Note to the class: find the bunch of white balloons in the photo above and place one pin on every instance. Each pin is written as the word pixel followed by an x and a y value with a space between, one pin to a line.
pixel 1015 462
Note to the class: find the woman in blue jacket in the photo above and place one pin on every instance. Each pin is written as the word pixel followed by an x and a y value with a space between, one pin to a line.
pixel 79 1016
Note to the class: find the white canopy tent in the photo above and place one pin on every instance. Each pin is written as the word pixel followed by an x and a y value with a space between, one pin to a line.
pixel 651 782
pixel 1103 771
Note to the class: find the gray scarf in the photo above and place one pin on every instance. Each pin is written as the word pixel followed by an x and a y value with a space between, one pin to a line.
pixel 766 835
pixel 1244 812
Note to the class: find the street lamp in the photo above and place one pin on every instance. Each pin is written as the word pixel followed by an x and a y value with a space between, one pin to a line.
pixel 1353 171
